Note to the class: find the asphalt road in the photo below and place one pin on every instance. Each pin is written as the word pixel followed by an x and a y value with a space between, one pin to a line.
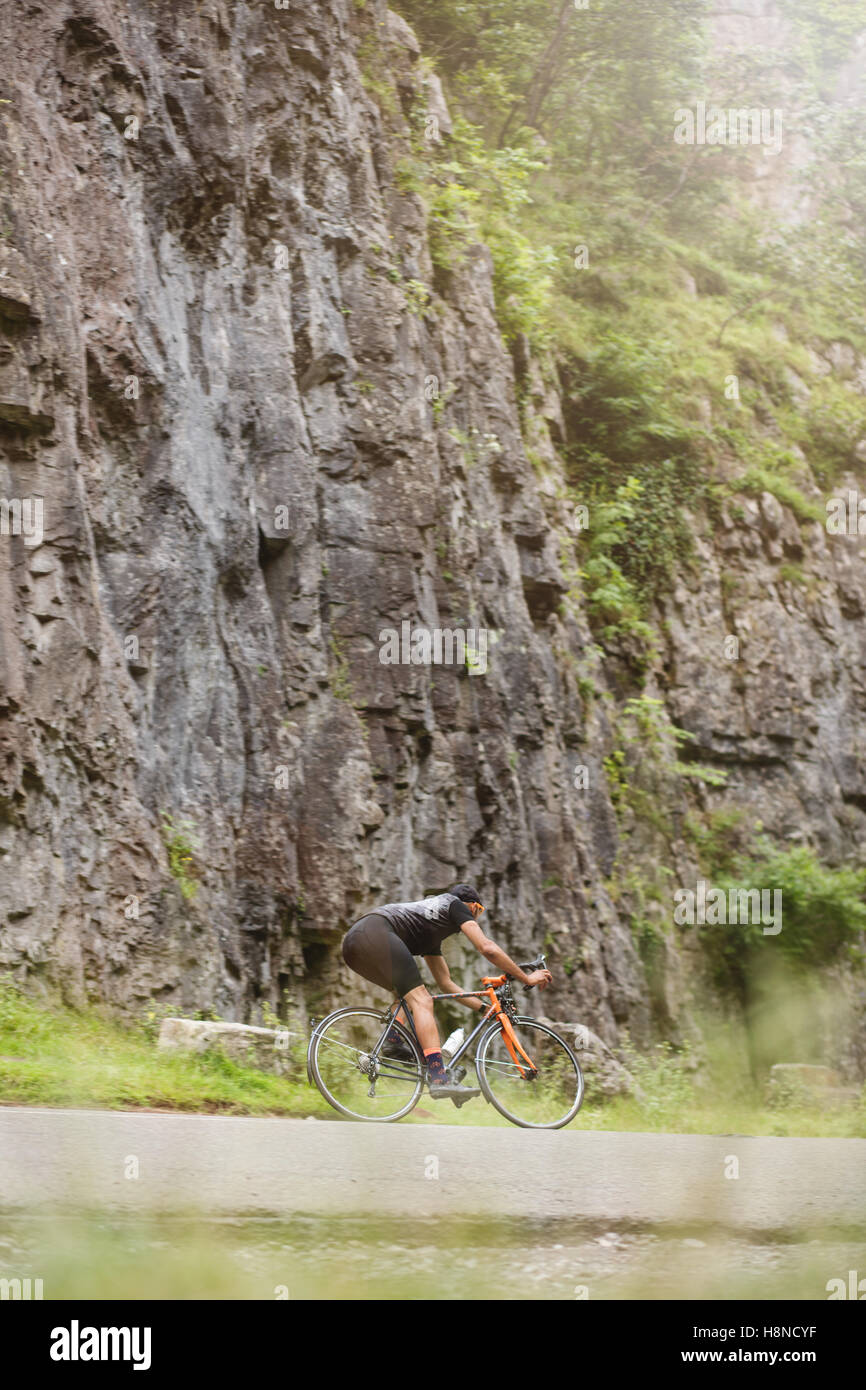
pixel 220 1166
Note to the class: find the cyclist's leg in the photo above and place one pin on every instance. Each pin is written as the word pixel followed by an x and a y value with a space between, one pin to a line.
pixel 442 1086
pixel 374 951
pixel 409 987
pixel 421 1004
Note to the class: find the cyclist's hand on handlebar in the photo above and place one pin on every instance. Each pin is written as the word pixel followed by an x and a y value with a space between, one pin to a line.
pixel 542 978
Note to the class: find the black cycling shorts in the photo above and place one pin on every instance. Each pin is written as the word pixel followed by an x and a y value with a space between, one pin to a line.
pixel 373 950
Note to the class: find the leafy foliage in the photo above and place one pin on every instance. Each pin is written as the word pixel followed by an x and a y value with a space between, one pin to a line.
pixel 824 909
pixel 181 843
pixel 642 770
pixel 565 137
pixel 611 595
pixel 473 195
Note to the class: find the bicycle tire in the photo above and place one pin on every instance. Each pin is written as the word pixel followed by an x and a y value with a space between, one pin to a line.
pixel 316 1039
pixel 490 1095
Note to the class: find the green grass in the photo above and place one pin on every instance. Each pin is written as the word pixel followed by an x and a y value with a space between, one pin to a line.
pixel 719 1097
pixel 725 1115
pixel 56 1056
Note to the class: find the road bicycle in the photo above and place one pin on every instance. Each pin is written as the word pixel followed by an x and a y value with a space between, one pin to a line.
pixel 525 1070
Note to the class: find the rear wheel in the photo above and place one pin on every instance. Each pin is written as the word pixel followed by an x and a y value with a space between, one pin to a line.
pixel 359 1084
pixel 545 1096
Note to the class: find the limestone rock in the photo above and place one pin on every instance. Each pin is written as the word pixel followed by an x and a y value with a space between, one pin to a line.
pixel 266 429
pixel 597 1061
pixel 264 1048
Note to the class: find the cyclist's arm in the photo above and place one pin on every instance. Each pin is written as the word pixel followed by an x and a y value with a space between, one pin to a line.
pixel 492 952
pixel 438 967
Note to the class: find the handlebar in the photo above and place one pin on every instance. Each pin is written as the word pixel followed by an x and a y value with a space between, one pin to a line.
pixel 529 965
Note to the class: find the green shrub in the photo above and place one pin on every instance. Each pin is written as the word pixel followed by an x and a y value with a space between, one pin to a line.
pixel 666 1085
pixel 182 845
pixel 823 908
pixel 623 434
pixel 835 422
pixel 612 598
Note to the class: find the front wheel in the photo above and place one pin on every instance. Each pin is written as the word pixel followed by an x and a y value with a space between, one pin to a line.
pixel 348 1061
pixel 545 1092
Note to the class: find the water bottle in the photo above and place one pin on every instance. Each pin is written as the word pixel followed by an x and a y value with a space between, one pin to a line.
pixel 452 1042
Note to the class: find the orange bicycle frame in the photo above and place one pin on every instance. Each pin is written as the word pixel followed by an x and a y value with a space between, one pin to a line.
pixel 512 1042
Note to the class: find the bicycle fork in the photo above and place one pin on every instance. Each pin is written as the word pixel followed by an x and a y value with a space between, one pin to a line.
pixel 512 1042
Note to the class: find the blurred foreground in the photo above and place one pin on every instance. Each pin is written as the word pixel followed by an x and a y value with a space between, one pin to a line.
pixel 97 1257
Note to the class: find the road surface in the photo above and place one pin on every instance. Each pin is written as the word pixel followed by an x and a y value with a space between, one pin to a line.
pixel 222 1166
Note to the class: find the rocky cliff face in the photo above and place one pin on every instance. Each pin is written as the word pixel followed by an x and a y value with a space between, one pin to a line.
pixel 262 436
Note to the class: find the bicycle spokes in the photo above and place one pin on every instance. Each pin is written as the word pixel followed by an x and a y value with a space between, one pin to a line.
pixel 530 1074
pixel 355 1072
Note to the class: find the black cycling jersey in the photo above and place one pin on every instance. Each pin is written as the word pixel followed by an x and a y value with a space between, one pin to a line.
pixel 424 925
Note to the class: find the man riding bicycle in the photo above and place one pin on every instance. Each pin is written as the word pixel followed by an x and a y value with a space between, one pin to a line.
pixel 381 947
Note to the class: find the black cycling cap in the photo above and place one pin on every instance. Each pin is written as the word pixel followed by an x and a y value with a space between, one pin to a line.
pixel 466 893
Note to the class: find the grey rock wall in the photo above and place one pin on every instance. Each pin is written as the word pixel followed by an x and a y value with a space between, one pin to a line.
pixel 215 370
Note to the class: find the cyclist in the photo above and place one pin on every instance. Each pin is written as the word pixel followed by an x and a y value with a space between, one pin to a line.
pixel 382 946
